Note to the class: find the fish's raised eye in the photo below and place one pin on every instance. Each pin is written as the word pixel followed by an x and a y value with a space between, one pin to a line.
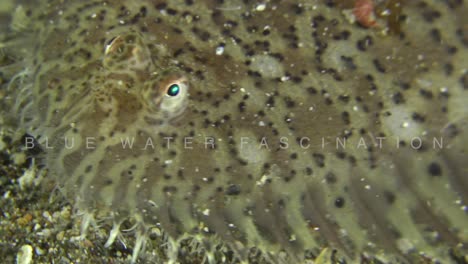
pixel 173 90
pixel 169 95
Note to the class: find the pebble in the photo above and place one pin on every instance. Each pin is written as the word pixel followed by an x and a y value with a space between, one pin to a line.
pixel 27 179
pixel 45 232
pixel 39 251
pixel 19 158
pixel 260 7
pixel 47 216
pixel 405 245
pixel 60 235
pixel 220 50
pixel 24 220
pixel 25 255
pixel 3 145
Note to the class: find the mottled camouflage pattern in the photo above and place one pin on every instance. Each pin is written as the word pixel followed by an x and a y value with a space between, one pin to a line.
pixel 297 75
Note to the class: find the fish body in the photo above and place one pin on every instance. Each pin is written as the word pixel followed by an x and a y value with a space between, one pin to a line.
pixel 275 125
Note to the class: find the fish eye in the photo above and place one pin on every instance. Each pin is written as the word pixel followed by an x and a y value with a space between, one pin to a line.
pixel 173 90
pixel 169 95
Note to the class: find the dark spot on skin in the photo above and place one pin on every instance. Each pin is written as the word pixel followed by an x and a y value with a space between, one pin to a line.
pixel 289 102
pixel 330 178
pixel 296 79
pixel 426 94
pixel 252 29
pixel 161 6
pixel 462 34
pixel 319 159
pixel 335 74
pixel 316 20
pixel 178 52
pixel 451 130
pixel 453 4
pixel 389 197
pixel 169 189
pixel 330 3
pixel 345 117
pixel 199 75
pixel 435 35
pixel 451 50
pixel 434 169
pixel 464 81
pixel 281 203
pixel 201 34
pixel 345 34
pixel 243 162
pixel 171 12
pixel 448 69
pixel 398 98
pixel 241 106
pixel 339 202
pixel 312 90
pixel 379 66
pixel 177 30
pixel 364 43
pixel 320 46
pixel 210 179
pixel 344 98
pixel 430 15
pixel 309 171
pixel 275 131
pixel 270 101
pixel 88 168
pixel 348 62
pixel 418 117
pixel 297 9
pixel 340 155
pixel 404 85
pixel 291 175
pixel 180 174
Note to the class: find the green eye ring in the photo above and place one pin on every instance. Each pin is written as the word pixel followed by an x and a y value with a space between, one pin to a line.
pixel 173 90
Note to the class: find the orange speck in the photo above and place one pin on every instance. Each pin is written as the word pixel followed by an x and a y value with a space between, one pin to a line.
pixel 26 219
pixel 364 13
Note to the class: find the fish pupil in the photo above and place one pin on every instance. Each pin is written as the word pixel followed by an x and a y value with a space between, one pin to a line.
pixel 173 90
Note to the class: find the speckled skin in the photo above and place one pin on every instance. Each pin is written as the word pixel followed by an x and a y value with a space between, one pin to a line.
pixel 275 179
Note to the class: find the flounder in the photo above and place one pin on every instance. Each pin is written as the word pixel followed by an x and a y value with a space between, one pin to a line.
pixel 273 125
